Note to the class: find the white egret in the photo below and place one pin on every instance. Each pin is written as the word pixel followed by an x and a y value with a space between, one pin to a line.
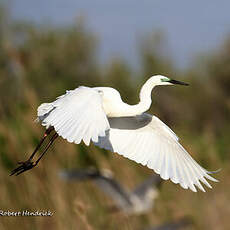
pixel 138 201
pixel 100 115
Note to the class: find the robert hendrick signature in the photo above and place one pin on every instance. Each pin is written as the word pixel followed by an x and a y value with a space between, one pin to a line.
pixel 25 213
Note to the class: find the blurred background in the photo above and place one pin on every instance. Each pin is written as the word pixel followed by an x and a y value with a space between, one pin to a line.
pixel 47 47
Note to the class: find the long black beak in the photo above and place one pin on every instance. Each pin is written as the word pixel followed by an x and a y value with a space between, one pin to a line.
pixel 175 82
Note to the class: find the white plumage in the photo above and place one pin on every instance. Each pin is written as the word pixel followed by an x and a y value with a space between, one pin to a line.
pixel 99 114
pixel 77 115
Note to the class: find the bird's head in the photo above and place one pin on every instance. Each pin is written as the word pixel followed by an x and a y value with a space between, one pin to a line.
pixel 162 80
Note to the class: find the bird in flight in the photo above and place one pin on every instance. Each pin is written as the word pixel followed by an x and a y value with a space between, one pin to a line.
pixel 99 115
pixel 138 201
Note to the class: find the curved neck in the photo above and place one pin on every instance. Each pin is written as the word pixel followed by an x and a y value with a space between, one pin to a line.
pixel 143 105
pixel 145 96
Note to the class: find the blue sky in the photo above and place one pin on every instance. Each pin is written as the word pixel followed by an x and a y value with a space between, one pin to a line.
pixel 190 27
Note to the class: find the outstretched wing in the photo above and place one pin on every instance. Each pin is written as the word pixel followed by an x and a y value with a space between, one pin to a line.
pixel 148 141
pixel 77 115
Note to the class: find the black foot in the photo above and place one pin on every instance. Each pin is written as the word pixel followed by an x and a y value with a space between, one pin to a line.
pixel 24 166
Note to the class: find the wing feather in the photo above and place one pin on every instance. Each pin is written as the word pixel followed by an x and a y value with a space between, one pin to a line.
pixel 78 115
pixel 164 167
pixel 148 141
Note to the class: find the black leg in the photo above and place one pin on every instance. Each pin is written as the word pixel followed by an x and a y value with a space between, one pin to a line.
pixel 47 132
pixel 27 165
pixel 47 147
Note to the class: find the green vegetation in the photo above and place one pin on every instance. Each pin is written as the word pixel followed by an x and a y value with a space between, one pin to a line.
pixel 39 63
